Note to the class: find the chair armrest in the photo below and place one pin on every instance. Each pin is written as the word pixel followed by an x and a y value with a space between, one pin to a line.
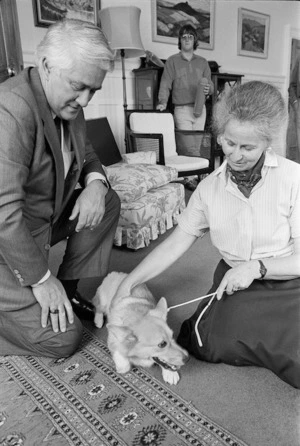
pixel 204 147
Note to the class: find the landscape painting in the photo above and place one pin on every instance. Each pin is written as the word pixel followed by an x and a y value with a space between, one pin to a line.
pixel 46 12
pixel 168 16
pixel 253 33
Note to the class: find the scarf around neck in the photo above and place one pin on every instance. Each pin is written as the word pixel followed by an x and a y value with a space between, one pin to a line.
pixel 247 179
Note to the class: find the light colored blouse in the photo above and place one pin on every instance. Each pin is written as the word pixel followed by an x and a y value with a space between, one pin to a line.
pixel 242 229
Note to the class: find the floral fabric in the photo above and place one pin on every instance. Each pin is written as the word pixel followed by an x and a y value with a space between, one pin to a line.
pixel 133 181
pixel 152 214
pixel 146 157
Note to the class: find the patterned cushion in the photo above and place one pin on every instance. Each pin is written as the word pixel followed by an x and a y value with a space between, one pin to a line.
pixel 132 181
pixel 144 219
pixel 146 157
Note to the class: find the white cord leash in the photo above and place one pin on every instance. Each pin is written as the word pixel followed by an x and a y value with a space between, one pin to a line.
pixel 191 301
pixel 212 296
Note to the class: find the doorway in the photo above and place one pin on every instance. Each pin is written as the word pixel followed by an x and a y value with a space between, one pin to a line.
pixel 11 58
pixel 292 149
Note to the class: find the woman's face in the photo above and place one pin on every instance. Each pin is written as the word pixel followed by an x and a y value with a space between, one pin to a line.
pixel 242 145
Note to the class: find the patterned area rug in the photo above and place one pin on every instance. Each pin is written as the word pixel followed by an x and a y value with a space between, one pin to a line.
pixel 81 401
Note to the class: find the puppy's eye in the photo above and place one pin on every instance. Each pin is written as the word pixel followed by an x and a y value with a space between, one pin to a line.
pixel 163 344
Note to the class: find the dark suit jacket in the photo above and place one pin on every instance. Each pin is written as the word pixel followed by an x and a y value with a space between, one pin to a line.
pixel 33 191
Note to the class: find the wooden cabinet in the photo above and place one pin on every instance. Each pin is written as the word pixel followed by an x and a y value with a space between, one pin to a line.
pixel 221 81
pixel 147 82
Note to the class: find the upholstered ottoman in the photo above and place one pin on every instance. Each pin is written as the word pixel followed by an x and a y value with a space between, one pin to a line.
pixel 150 201
pixel 152 214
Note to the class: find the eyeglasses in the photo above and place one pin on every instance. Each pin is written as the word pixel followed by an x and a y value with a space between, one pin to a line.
pixel 187 37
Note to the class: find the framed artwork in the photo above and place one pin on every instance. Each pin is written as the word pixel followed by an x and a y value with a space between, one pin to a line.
pixel 46 12
pixel 168 16
pixel 253 33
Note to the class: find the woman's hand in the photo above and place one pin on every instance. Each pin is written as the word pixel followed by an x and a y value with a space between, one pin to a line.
pixel 90 206
pixel 239 278
pixel 55 304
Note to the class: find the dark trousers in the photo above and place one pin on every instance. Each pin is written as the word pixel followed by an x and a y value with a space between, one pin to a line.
pixel 258 326
pixel 87 255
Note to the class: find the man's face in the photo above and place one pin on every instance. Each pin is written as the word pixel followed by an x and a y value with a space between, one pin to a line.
pixel 68 91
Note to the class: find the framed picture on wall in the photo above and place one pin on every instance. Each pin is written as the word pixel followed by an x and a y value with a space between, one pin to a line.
pixel 169 15
pixel 253 33
pixel 46 12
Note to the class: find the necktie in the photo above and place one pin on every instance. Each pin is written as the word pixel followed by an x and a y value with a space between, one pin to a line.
pixel 62 128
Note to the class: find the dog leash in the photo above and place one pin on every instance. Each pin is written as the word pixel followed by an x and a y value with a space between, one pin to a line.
pixel 212 296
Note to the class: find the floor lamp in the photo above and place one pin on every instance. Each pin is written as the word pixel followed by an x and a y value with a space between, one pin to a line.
pixel 121 27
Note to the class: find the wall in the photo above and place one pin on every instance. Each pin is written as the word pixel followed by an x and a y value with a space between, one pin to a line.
pixel 284 23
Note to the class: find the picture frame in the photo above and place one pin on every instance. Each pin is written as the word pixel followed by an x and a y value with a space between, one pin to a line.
pixel 167 20
pixel 46 12
pixel 253 33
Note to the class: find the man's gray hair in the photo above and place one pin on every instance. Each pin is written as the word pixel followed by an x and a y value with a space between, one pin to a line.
pixel 69 40
pixel 258 103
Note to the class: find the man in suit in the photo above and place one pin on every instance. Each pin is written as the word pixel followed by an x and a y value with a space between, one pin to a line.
pixel 41 165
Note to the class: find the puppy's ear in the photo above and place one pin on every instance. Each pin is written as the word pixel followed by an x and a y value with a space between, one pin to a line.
pixel 122 334
pixel 161 309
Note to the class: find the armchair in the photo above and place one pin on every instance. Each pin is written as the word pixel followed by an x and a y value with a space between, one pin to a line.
pixel 150 203
pixel 189 152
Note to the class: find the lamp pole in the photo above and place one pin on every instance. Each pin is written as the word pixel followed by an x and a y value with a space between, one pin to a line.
pixel 124 79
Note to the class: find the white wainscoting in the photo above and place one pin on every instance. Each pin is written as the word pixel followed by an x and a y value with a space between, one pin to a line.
pixel 109 101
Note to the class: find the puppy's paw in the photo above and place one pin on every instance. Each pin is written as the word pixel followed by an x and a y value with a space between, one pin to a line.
pixel 122 364
pixel 170 377
pixel 99 320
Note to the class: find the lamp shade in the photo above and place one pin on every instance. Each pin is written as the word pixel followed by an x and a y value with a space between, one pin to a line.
pixel 121 25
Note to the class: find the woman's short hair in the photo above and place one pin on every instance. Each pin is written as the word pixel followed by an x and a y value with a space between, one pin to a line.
pixel 258 103
pixel 188 29
pixel 68 40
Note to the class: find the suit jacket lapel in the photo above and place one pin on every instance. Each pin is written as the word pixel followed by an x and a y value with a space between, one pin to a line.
pixel 50 135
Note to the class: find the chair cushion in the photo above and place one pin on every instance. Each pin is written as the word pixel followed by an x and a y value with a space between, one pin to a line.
pixel 132 181
pixel 156 123
pixel 186 163
pixel 147 157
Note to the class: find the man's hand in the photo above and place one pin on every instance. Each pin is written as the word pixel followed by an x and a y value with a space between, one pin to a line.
pixel 161 107
pixel 55 304
pixel 239 278
pixel 206 85
pixel 90 206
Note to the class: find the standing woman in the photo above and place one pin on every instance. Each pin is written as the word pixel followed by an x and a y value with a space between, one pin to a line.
pixel 251 206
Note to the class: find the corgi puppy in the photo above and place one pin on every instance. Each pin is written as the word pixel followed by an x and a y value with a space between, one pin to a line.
pixel 138 333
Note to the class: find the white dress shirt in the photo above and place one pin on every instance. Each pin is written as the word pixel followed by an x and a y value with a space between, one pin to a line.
pixel 242 229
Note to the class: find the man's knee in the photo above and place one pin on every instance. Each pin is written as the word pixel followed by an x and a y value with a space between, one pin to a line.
pixel 64 344
pixel 112 204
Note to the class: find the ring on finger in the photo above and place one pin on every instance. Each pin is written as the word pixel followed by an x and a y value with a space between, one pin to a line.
pixel 56 311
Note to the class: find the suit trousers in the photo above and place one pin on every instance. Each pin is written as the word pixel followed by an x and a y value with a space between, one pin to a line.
pixel 87 255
